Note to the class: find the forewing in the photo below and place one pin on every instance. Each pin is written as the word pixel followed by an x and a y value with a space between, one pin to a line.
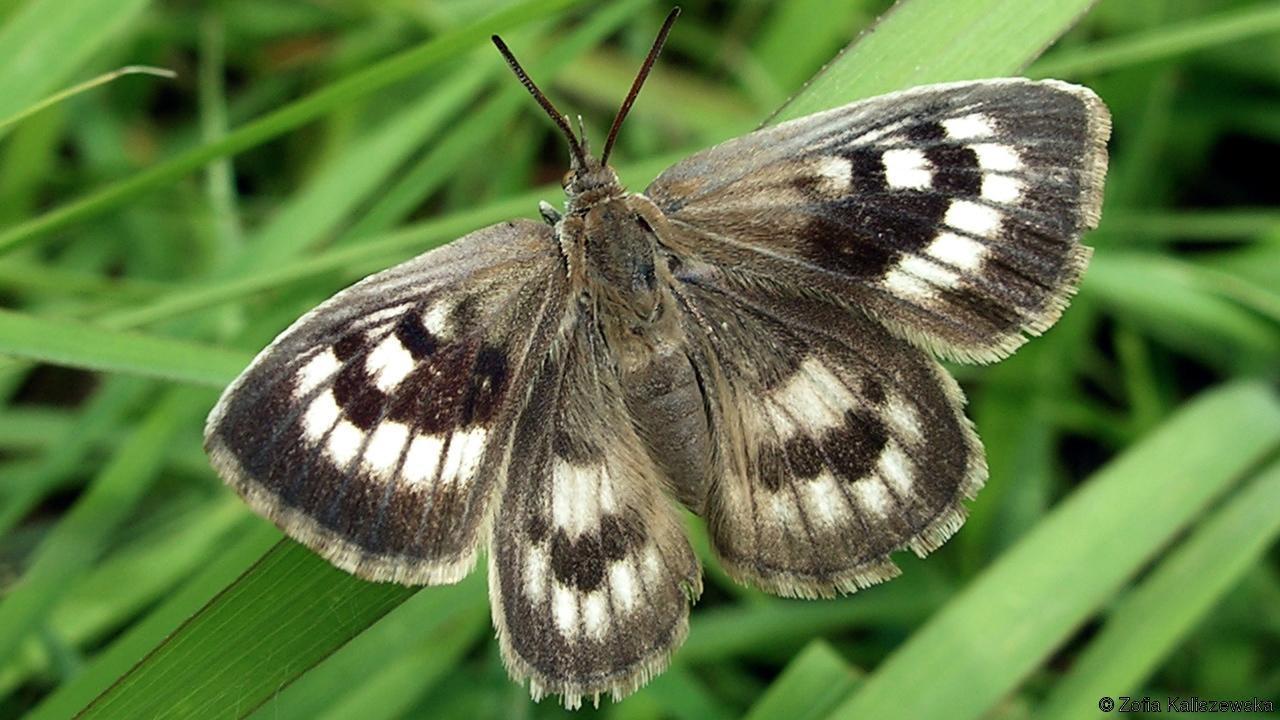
pixel 838 442
pixel 952 213
pixel 376 428
pixel 591 576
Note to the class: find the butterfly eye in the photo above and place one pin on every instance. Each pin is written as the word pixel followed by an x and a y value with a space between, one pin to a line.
pixel 644 224
pixel 568 178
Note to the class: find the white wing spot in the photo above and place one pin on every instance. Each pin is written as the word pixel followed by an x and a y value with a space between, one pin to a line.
pixel 962 252
pixel 929 271
pixel 1001 188
pixel 835 172
pixel 895 468
pixel 783 508
pixel 385 445
pixel 622 583
pixel 972 218
pixel 379 318
pixel 823 498
pixel 436 319
pixel 535 573
pixel 595 614
pixel 881 133
pixel 872 495
pixel 815 397
pixel 389 363
pixel 564 607
pixel 905 420
pixel 907 168
pixel 997 158
pixel 321 415
pixel 903 284
pixel 344 442
pixel 319 368
pixel 652 563
pixel 576 497
pixel 422 459
pixel 967 127
pixel 465 449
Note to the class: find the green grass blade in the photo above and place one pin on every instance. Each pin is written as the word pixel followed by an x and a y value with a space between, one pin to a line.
pixel 956 34
pixel 254 538
pixel 100 416
pixel 392 692
pixel 1225 27
pixel 64 342
pixel 1173 300
pixel 421 633
pixel 289 612
pixel 810 686
pixel 780 625
pixel 1148 624
pixel 1027 603
pixel 357 171
pixel 683 696
pixel 70 550
pixel 411 62
pixel 46 41
pixel 129 580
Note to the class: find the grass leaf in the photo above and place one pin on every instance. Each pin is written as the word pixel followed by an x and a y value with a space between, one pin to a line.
pixel 65 342
pixel 1027 603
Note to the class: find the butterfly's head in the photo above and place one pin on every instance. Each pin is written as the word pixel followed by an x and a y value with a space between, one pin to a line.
pixel 590 181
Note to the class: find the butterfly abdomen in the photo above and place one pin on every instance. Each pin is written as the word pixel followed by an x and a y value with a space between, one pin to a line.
pixel 666 404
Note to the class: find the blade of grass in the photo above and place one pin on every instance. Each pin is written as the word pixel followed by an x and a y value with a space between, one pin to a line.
pixel 374 657
pixel 1194 34
pixel 102 414
pixel 723 632
pixel 253 538
pixel 1227 225
pixel 683 696
pixel 810 686
pixel 1148 624
pixel 130 579
pixel 957 36
pixel 85 86
pixel 64 342
pixel 357 171
pixel 1030 601
pixel 392 693
pixel 227 660
pixel 46 41
pixel 432 53
pixel 72 546
pixel 1169 299
pixel 219 179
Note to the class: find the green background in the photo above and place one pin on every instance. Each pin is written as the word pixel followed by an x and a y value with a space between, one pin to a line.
pixel 155 232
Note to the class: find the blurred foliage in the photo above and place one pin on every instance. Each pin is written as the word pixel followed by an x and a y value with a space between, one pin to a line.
pixel 154 233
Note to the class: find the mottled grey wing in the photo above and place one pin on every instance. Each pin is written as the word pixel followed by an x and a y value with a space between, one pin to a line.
pixel 838 442
pixel 591 575
pixel 952 213
pixel 376 428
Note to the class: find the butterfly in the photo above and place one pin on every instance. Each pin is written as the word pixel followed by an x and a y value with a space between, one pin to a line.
pixel 751 338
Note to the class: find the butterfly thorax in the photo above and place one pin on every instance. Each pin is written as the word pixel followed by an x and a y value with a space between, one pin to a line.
pixel 624 279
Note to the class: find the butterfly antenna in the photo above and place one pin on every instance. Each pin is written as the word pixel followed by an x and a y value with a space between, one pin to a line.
pixel 574 145
pixel 639 81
